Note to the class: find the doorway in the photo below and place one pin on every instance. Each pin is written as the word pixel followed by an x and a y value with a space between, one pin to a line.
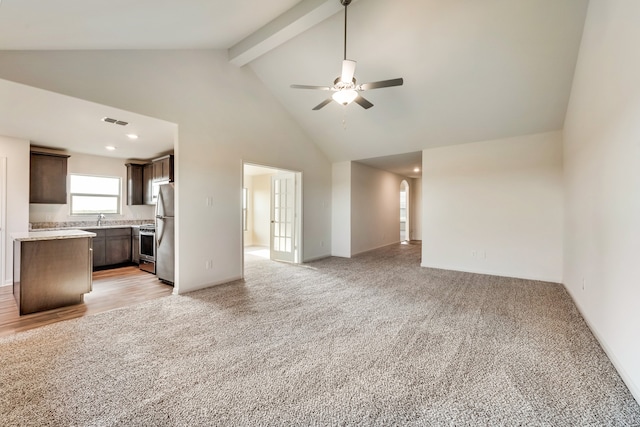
pixel 404 212
pixel 271 213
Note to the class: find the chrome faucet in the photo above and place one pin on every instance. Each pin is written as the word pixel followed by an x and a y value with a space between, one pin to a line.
pixel 100 218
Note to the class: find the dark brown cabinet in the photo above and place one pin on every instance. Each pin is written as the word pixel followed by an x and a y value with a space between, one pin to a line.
pixel 51 272
pixel 163 168
pixel 98 248
pixel 48 178
pixel 140 179
pixel 135 184
pixel 117 246
pixel 111 246
pixel 147 182
pixel 135 245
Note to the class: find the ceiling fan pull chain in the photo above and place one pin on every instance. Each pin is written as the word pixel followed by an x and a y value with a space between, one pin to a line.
pixel 344 117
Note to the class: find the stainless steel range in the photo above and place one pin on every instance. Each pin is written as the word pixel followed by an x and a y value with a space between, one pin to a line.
pixel 148 248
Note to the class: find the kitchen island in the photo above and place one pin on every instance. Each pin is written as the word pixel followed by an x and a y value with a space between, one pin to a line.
pixel 51 269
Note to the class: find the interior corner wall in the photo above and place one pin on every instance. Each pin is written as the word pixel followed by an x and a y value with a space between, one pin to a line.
pixel 225 116
pixel 495 207
pixel 602 183
pixel 341 209
pixel 16 213
pixel 415 208
pixel 375 208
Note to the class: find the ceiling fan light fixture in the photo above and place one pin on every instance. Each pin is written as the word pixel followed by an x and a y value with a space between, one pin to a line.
pixel 345 90
pixel 345 96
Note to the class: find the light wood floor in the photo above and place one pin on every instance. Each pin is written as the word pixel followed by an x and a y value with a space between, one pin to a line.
pixel 115 288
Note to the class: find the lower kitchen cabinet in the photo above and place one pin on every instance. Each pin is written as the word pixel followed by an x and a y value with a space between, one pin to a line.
pixel 99 251
pixel 111 246
pixel 118 246
pixel 135 245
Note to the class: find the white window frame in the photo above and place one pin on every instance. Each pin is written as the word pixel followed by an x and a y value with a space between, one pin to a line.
pixel 118 197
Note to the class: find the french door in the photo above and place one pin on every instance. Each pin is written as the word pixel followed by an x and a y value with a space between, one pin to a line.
pixel 283 216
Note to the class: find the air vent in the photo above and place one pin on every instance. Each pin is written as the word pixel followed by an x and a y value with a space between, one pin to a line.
pixel 114 121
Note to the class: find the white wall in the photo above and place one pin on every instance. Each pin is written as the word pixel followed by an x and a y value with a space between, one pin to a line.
pixel 602 183
pixel 225 116
pixel 92 165
pixel 341 210
pixel 495 207
pixel 415 207
pixel 375 208
pixel 16 151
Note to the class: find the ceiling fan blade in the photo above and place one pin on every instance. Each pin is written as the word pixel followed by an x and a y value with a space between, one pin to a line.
pixel 322 104
pixel 363 102
pixel 348 70
pixel 311 87
pixel 381 84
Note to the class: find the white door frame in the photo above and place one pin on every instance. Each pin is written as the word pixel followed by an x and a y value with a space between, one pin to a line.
pixel 3 219
pixel 404 184
pixel 299 238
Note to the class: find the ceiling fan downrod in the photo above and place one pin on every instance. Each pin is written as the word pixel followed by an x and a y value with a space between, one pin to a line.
pixel 345 3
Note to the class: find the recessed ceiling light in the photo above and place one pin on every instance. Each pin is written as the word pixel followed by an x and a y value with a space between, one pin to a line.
pixel 132 136
pixel 110 147
pixel 416 169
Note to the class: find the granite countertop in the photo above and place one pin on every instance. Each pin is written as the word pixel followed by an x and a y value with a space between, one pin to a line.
pixel 86 227
pixel 51 235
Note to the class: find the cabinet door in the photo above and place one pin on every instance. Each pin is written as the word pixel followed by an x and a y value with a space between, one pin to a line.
pixel 99 259
pixel 135 249
pixel 118 250
pixel 147 178
pixel 48 178
pixel 158 173
pixel 135 184
pixel 163 169
pixel 118 245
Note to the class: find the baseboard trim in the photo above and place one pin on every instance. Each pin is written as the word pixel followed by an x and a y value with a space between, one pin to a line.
pixel 631 385
pixel 206 285
pixel 496 273
pixel 316 258
pixel 377 247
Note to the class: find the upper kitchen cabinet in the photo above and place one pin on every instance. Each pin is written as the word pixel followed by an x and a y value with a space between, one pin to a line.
pixel 135 184
pixel 163 168
pixel 147 182
pixel 48 178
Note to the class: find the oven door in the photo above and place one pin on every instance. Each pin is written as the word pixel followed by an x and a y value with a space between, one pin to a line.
pixel 148 251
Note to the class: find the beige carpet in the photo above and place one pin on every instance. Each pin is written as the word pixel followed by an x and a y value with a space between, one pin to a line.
pixel 374 340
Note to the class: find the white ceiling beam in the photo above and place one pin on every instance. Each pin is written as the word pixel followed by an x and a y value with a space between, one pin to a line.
pixel 296 20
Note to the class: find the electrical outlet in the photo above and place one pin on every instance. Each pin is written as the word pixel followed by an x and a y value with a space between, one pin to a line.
pixel 474 254
pixel 584 283
pixel 208 265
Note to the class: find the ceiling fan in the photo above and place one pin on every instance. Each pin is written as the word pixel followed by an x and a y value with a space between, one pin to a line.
pixel 345 89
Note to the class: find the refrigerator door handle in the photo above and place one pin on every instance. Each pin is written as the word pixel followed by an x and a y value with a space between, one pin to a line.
pixel 159 237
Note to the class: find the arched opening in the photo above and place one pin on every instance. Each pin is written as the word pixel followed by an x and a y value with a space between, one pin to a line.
pixel 404 212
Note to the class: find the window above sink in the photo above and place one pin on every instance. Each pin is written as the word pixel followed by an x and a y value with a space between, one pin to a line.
pixel 92 195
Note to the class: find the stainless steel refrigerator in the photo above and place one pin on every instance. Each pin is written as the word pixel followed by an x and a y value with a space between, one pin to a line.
pixel 165 241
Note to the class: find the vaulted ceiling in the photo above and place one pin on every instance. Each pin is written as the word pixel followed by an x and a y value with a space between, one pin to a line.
pixel 473 69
